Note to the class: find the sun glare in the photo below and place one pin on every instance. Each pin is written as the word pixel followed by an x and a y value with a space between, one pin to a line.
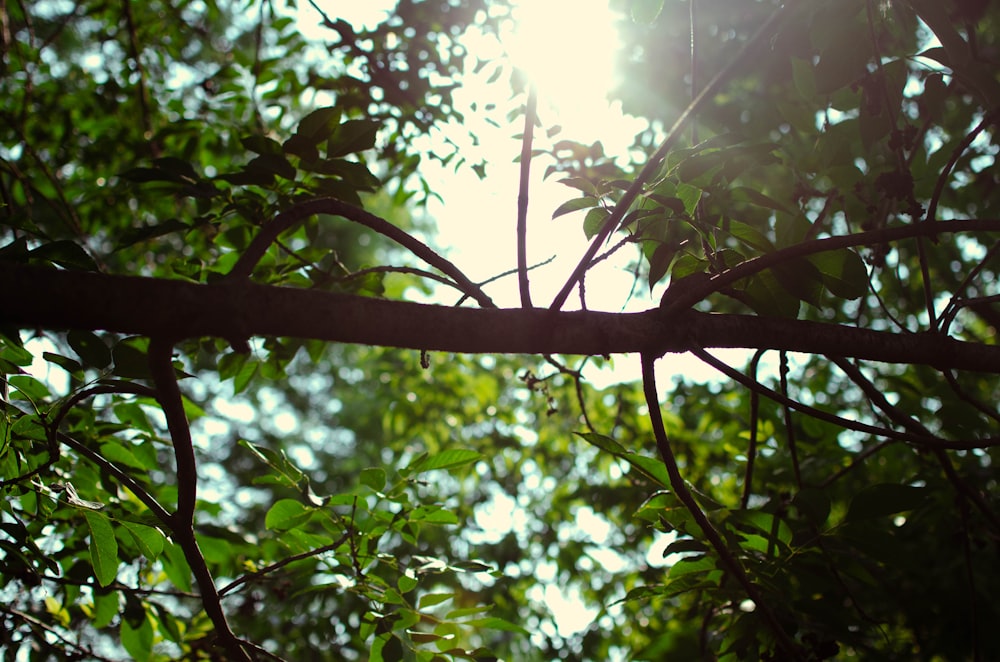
pixel 567 49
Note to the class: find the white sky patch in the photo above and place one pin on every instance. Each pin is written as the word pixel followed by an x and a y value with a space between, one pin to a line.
pixel 568 610
pixel 567 48
pixel 234 410
pixel 53 376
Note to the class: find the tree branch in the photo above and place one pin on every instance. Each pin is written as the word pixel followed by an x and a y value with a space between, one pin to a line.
pixel 182 521
pixel 729 560
pixel 56 299
pixel 298 212
pixel 689 297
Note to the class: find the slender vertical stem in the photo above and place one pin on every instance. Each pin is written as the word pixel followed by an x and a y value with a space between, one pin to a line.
pixel 754 419
pixel 789 427
pixel 693 21
pixel 530 113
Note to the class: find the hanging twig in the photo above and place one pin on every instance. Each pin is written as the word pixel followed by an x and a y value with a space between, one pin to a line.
pixel 754 418
pixel 681 491
pixel 160 355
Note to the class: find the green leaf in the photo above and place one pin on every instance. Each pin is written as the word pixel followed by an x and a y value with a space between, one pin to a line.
pixel 645 11
pixel 138 641
pixel 148 539
pixel 813 504
pixel 690 196
pixel 803 76
pixel 448 459
pixel 750 236
pixel 673 204
pixel 175 566
pixel 352 136
pixel 373 477
pixel 582 184
pixel 319 125
pixel 30 388
pixel 659 263
pixel 801 279
pixel 770 526
pixel 175 166
pixel 356 174
pixel 406 584
pixel 690 565
pixel 594 221
pixel 839 67
pixel 103 547
pixel 766 295
pixel 685 546
pixel 105 608
pixel 90 348
pixel 69 365
pixel 428 600
pixel 884 499
pixel 576 204
pixel 133 236
pixel 121 454
pixel 287 514
pixel 651 468
pixel 302 147
pixel 284 470
pixel 66 254
pixel 261 145
pixel 495 623
pixel 130 361
pixel 758 198
pixel 272 164
pixel 844 273
pixel 604 442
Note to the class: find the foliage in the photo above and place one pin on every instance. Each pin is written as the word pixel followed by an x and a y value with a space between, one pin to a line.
pixel 235 497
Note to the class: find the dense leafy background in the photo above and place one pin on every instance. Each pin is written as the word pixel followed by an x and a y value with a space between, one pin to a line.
pixel 366 503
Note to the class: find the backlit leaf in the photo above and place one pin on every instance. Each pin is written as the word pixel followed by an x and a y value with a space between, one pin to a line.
pixel 103 547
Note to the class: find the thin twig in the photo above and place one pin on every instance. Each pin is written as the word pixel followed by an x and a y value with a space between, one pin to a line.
pixel 653 165
pixel 789 427
pixel 104 465
pixel 754 265
pixel 135 52
pixel 230 587
pixel 754 418
pixel 530 114
pixel 681 491
pixel 957 301
pixel 942 180
pixel 296 213
pixel 503 274
pixel 967 397
pixel 923 440
pixel 48 631
pixel 878 399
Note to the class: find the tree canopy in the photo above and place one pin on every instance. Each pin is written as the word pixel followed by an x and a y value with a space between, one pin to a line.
pixel 233 428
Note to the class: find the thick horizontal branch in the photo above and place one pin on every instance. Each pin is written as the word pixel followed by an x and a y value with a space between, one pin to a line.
pixel 50 298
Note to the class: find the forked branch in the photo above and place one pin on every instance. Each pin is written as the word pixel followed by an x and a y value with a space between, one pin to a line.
pixel 295 214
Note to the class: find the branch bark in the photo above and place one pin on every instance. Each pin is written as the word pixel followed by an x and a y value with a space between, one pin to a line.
pixel 55 299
